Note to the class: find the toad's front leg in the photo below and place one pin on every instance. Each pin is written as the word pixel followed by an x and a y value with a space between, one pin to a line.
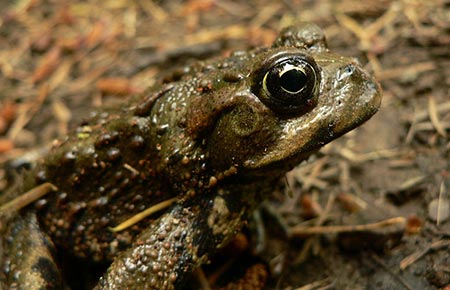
pixel 180 241
pixel 28 261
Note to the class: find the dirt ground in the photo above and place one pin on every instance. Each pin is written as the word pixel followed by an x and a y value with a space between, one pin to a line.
pixel 372 211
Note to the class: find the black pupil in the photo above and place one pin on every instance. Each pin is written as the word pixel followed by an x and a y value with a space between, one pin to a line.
pixel 293 80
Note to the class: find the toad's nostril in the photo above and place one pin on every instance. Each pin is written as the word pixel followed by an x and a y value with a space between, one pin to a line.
pixel 349 69
pixel 345 72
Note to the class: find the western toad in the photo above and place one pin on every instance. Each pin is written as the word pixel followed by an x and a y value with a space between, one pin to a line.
pixel 216 136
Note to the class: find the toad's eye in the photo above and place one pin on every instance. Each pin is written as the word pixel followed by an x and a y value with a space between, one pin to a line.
pixel 288 83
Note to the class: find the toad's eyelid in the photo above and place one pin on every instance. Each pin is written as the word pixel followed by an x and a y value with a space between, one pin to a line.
pixel 288 67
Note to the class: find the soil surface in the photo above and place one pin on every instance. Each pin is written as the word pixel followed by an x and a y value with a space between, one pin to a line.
pixel 372 211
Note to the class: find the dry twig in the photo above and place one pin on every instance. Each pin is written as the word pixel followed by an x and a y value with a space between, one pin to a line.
pixel 142 215
pixel 302 230
pixel 411 259
pixel 27 198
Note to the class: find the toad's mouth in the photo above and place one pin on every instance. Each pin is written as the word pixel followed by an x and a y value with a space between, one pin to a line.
pixel 346 104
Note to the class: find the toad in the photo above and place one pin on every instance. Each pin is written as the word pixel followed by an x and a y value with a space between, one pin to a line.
pixel 214 139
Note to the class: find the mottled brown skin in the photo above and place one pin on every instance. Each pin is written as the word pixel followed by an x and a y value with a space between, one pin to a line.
pixel 216 135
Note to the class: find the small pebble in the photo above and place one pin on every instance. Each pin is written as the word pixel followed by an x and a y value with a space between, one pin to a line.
pixel 439 210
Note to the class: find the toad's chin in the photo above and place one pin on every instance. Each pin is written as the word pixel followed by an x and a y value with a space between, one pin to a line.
pixel 277 168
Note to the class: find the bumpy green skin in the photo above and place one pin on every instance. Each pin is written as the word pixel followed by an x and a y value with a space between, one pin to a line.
pixel 206 137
